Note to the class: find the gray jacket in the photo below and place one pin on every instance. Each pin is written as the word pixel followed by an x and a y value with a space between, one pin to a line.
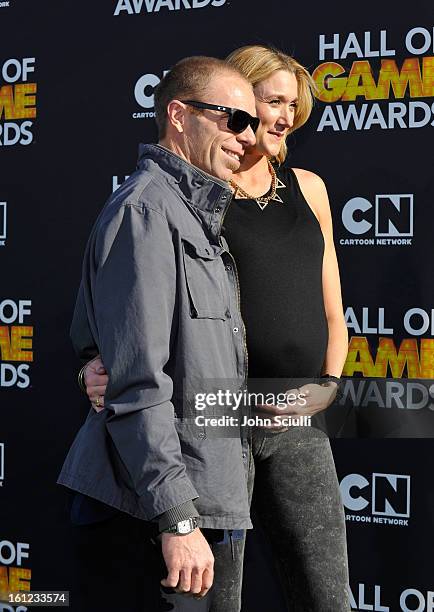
pixel 159 298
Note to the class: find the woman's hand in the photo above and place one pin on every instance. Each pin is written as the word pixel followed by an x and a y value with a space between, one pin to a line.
pixel 96 379
pixel 307 400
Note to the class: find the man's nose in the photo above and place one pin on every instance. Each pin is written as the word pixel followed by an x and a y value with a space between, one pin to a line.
pixel 247 137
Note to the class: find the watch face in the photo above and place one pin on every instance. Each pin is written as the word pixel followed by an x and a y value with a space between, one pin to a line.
pixel 184 526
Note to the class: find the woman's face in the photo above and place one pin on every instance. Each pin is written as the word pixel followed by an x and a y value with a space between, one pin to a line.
pixel 276 103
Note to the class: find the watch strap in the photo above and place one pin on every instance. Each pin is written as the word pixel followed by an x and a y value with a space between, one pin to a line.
pixel 177 514
pixel 329 377
pixel 183 527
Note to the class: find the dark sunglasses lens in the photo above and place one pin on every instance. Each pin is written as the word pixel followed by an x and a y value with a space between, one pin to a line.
pixel 240 120
pixel 254 122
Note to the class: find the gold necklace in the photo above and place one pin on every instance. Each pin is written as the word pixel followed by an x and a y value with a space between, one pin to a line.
pixel 262 201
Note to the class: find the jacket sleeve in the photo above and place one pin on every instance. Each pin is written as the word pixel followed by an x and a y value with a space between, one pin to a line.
pixel 80 333
pixel 133 299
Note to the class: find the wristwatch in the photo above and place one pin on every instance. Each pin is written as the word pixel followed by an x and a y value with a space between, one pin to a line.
pixel 325 378
pixel 183 527
pixel 330 378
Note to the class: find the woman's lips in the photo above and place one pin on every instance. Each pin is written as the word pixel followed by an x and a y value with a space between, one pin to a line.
pixel 278 135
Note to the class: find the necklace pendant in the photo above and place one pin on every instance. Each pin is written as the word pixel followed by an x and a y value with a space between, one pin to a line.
pixel 262 202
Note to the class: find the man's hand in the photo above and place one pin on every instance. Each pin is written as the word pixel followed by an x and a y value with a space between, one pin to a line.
pixel 96 379
pixel 189 562
pixel 308 400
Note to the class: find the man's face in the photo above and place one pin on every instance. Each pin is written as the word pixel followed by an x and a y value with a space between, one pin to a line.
pixel 208 143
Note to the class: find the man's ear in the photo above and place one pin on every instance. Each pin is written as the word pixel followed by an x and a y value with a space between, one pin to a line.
pixel 176 112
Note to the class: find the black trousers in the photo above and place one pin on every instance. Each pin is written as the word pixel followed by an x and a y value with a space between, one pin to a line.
pixel 119 568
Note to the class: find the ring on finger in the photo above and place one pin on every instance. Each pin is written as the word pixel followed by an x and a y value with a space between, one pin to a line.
pixel 98 403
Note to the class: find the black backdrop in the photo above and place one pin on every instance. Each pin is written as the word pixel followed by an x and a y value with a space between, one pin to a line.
pixel 74 104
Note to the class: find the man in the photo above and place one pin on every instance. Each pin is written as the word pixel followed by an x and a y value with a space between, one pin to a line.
pixel 159 302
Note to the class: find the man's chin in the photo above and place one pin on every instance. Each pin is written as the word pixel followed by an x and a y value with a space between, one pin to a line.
pixel 231 168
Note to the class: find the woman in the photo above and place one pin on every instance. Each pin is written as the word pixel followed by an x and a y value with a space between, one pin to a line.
pixel 279 231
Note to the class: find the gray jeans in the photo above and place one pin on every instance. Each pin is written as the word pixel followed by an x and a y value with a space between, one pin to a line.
pixel 296 499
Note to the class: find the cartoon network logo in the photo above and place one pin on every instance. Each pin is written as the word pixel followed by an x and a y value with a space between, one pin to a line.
pixel 2 463
pixel 387 221
pixel 3 223
pixel 384 499
pixel 144 94
pixel 135 7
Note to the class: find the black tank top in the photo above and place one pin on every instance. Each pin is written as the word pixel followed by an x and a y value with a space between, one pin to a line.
pixel 279 255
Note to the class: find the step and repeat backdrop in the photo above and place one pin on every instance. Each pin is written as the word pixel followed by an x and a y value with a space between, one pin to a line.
pixel 76 99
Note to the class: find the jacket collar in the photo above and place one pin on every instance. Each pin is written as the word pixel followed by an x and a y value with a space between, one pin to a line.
pixel 200 189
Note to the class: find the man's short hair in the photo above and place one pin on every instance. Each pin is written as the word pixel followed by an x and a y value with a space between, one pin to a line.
pixel 188 79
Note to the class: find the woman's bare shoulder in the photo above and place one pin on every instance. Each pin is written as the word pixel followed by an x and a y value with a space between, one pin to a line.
pixel 308 179
pixel 314 191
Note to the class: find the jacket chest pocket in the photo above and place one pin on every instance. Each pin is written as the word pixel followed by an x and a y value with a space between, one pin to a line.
pixel 204 273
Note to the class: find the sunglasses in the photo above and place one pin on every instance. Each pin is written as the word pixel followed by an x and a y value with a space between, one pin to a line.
pixel 238 120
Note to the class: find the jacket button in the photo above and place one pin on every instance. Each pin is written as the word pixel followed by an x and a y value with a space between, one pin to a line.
pixel 244 455
pixel 217 209
pixel 236 330
pixel 228 268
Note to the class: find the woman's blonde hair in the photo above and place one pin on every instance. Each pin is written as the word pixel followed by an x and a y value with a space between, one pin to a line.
pixel 258 62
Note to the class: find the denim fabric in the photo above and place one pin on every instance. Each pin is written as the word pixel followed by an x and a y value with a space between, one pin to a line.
pixel 228 562
pixel 296 501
